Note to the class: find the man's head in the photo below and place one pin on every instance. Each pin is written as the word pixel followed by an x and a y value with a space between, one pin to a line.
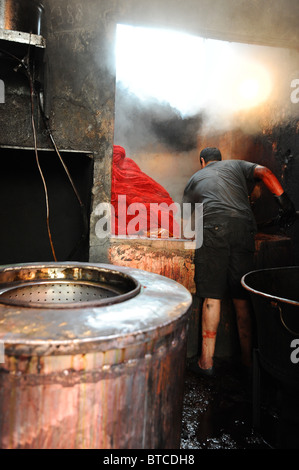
pixel 209 154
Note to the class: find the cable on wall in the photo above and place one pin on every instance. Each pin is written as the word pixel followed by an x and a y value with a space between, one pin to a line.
pixel 36 89
pixel 25 64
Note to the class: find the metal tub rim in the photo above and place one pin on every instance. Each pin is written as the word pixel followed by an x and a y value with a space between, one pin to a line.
pixel 265 294
pixel 13 278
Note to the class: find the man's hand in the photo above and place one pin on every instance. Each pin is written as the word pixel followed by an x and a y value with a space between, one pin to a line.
pixel 287 211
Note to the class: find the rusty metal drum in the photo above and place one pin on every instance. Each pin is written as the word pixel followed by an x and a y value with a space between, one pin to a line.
pixel 94 357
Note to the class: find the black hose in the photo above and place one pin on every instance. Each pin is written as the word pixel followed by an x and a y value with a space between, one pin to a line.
pixel 82 206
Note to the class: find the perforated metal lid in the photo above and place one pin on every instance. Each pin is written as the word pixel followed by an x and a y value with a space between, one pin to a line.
pixel 65 287
pixel 58 292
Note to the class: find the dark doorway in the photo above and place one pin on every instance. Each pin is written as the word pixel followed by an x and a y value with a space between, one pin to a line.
pixel 24 235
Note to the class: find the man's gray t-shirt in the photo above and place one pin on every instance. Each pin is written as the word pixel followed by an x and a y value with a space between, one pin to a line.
pixel 222 187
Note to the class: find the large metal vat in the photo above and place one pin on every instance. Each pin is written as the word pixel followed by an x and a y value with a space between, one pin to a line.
pixel 94 357
pixel 275 296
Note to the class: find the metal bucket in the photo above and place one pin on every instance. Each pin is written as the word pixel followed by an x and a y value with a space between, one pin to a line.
pixel 94 357
pixel 275 297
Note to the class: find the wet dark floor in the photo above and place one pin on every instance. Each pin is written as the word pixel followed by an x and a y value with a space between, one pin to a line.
pixel 217 412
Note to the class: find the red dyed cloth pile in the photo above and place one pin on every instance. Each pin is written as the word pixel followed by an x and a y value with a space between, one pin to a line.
pixel 131 186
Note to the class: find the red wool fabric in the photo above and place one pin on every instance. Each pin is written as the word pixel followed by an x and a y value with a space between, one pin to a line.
pixel 128 180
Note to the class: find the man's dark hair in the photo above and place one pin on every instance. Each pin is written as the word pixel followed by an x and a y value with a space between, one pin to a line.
pixel 210 153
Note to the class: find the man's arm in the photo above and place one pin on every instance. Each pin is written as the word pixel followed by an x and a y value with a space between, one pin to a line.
pixel 269 179
pixel 288 211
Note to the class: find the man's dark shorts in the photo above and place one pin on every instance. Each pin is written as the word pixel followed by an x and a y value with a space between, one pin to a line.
pixel 226 255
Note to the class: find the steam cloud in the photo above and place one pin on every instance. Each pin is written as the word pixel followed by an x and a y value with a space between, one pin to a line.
pixel 216 106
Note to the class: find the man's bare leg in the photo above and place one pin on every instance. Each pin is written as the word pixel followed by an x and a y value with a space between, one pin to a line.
pixel 244 323
pixel 210 321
